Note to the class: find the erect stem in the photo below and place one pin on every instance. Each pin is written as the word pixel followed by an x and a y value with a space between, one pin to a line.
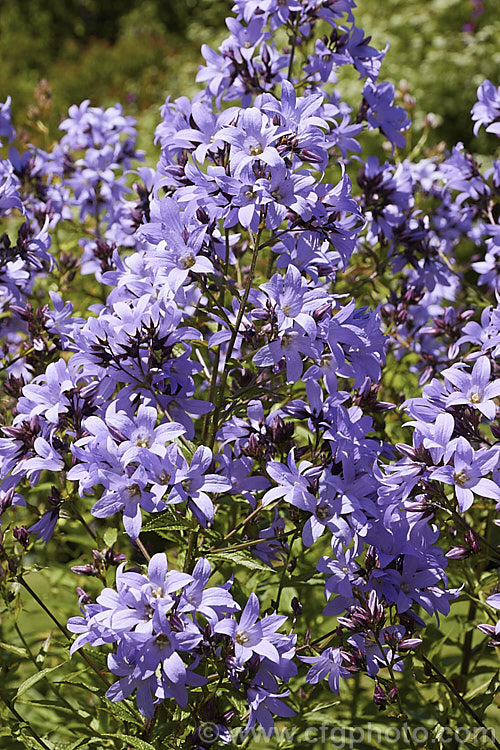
pixel 143 549
pixel 467 647
pixel 33 659
pixel 43 606
pixel 82 520
pixel 215 371
pixel 292 54
pixel 193 538
pixel 326 637
pixel 222 387
pixel 61 627
pixel 285 570
pixel 402 714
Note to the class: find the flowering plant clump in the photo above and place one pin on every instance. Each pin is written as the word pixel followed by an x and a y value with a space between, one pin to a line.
pixel 207 365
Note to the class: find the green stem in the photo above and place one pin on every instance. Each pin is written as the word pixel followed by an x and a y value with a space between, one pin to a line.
pixel 84 522
pixel 467 648
pixel 193 538
pixel 355 695
pixel 143 549
pixel 240 526
pixel 215 371
pixel 61 628
pixel 222 387
pixel 402 715
pixel 460 698
pixel 325 637
pixel 16 359
pixel 18 716
pixel 284 571
pixel 292 55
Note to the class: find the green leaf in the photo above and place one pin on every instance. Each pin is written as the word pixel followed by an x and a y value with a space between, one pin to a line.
pixel 483 696
pixel 30 741
pixel 121 711
pixel 83 685
pixel 16 650
pixel 27 684
pixel 241 557
pixel 167 521
pixel 110 536
pixel 133 741
pixel 324 707
pixel 137 742
pixel 78 743
pixel 63 711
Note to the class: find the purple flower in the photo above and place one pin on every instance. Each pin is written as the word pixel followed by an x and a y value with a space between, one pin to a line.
pixel 252 138
pixel 486 111
pixel 46 525
pixel 250 636
pixel 291 346
pixel 467 475
pixel 294 484
pixel 124 491
pixel 192 483
pixel 6 129
pixel 213 603
pixel 474 389
pixel 383 114
pixel 47 458
pixel 262 705
pixel 327 665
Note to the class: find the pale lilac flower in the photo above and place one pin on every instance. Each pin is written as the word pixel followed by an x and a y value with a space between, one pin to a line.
pixel 475 388
pixel 467 475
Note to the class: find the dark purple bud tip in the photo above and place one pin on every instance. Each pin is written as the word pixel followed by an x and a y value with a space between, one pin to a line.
pixel 22 536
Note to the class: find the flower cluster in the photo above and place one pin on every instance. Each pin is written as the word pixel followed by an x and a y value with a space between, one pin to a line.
pixel 169 627
pixel 227 390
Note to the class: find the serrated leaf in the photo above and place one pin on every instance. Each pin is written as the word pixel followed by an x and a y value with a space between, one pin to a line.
pixel 167 522
pixel 73 677
pixel 99 659
pixel 27 684
pixel 78 743
pixel 30 741
pixel 121 711
pixel 133 741
pixel 240 557
pixel 324 707
pixel 137 742
pixel 172 535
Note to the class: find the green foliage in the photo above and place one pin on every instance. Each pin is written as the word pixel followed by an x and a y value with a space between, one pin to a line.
pixel 442 65
pixel 139 51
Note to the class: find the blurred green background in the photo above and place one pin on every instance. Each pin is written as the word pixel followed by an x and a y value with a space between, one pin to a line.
pixel 139 51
